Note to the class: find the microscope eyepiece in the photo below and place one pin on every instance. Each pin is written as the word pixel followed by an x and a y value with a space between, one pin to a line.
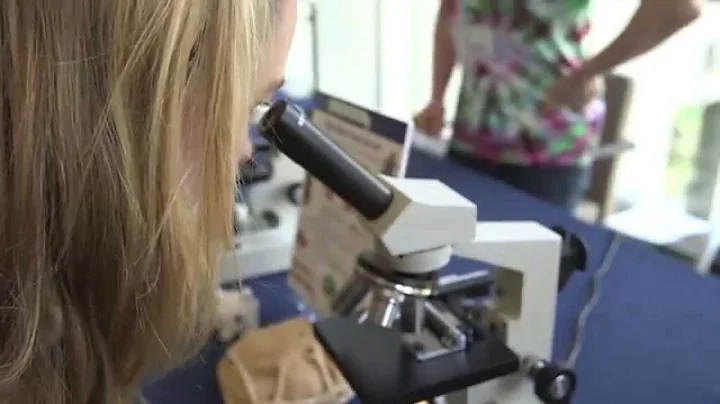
pixel 287 127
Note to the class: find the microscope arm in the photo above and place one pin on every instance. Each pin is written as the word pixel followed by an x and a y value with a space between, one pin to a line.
pixel 525 283
pixel 522 312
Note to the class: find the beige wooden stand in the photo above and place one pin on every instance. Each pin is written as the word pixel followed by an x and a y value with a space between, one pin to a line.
pixel 281 364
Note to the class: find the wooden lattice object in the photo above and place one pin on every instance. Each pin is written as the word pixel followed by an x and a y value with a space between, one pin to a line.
pixel 281 364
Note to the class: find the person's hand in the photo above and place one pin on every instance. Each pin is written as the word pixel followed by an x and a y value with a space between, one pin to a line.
pixel 431 119
pixel 574 91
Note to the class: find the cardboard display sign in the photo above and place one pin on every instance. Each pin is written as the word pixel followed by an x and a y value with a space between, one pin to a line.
pixel 330 233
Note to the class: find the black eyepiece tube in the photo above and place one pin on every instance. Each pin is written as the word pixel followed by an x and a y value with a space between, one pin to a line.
pixel 286 126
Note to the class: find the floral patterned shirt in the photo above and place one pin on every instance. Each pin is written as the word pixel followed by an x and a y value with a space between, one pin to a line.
pixel 512 52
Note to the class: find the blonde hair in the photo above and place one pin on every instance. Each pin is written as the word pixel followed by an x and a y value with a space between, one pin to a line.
pixel 106 263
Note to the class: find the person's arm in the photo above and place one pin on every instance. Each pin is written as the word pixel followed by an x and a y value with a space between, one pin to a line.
pixel 653 23
pixel 444 50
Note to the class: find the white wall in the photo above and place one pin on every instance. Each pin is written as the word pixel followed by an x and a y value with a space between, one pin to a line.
pixel 347 32
pixel 348 46
pixel 377 53
pixel 395 54
pixel 299 74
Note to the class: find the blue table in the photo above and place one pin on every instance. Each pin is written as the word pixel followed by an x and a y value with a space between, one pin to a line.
pixel 653 338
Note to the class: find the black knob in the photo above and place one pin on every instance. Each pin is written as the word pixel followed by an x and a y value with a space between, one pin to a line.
pixel 553 384
pixel 573 255
pixel 294 193
pixel 271 219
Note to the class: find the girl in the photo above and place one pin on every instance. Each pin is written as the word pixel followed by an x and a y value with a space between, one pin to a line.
pixel 121 125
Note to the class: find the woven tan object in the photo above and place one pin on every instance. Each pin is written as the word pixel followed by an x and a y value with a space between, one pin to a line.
pixel 281 364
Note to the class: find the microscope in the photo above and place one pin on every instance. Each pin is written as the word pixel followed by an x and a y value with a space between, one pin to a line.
pixel 266 214
pixel 404 334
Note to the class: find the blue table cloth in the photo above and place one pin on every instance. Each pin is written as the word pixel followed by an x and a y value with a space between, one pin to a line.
pixel 654 337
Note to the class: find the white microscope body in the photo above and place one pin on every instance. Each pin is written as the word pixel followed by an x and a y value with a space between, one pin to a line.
pixel 429 222
pixel 419 225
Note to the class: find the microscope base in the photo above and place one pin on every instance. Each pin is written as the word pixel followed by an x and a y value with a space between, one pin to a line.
pixel 381 370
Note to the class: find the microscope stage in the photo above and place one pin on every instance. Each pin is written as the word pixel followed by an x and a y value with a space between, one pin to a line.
pixel 381 370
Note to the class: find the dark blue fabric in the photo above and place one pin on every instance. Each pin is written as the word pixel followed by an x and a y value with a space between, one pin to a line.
pixel 653 338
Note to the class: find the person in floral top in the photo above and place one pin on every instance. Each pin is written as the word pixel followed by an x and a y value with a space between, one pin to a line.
pixel 531 107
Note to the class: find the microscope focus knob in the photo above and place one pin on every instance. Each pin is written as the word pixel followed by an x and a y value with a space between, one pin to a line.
pixel 295 193
pixel 553 384
pixel 573 255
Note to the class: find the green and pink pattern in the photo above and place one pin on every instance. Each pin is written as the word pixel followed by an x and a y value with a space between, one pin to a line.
pixel 532 43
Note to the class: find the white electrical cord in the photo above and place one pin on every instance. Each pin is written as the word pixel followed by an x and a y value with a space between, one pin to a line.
pixel 593 300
